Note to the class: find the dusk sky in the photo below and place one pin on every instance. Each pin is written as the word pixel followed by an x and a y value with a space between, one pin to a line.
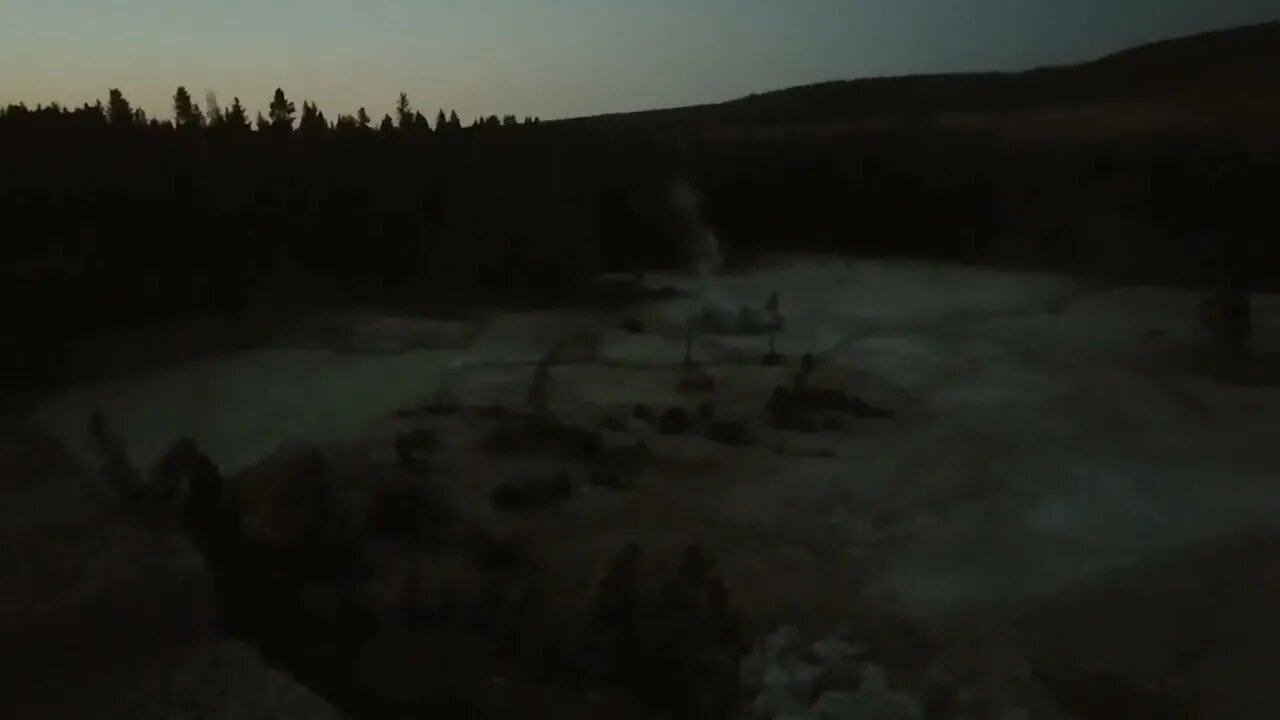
pixel 552 58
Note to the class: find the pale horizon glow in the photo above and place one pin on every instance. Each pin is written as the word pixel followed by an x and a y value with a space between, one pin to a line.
pixel 550 58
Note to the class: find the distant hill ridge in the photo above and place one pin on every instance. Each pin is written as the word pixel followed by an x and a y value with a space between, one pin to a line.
pixel 1239 66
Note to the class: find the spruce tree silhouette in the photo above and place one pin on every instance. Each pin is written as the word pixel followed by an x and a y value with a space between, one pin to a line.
pixel 362 119
pixel 281 112
pixel 186 114
pixel 236 119
pixel 312 121
pixel 118 110
pixel 95 115
pixel 345 124
pixel 404 112
pixel 388 125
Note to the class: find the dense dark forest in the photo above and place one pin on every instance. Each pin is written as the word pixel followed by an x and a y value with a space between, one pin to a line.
pixel 113 219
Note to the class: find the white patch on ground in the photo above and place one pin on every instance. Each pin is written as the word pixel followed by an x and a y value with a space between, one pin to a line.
pixel 1047 438
pixel 241 407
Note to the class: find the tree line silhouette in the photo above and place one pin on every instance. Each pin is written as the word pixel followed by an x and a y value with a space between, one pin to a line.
pixel 114 218
pixel 282 116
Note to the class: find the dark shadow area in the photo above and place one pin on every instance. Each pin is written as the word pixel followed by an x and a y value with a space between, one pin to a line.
pixel 295 570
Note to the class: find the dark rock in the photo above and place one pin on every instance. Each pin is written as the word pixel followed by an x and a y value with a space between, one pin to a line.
pixel 642 413
pixel 844 677
pixel 836 400
pixel 617 598
pixel 290 497
pixel 833 423
pixel 494 412
pixel 633 326
pixel 942 700
pixel 607 478
pixel 1095 694
pixel 442 407
pixel 532 493
pixel 619 467
pixel 533 436
pixel 509 440
pixel 406 511
pixel 115 466
pixel 789 406
pixel 807 365
pixel 796 421
pixel 705 412
pixel 696 380
pixel 730 432
pixel 586 442
pixel 821 453
pixel 772 359
pixel 626 456
pixel 863 409
pixel 788 412
pixel 695 568
pixel 824 399
pixel 188 683
pixel 674 421
pixel 497 553
pixel 209 512
pixel 613 424
pixel 410 443
pixel 782 395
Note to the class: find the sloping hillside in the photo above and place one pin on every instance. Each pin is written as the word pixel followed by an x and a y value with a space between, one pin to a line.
pixel 1229 70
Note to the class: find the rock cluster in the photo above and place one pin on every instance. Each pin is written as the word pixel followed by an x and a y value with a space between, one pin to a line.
pixel 830 679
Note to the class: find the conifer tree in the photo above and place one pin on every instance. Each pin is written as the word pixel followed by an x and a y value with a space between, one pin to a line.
pixel 280 112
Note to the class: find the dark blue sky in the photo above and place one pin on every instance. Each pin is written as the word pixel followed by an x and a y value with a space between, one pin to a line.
pixel 552 58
